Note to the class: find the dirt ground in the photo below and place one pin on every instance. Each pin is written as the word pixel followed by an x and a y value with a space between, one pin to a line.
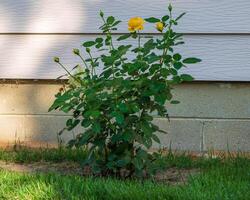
pixel 171 176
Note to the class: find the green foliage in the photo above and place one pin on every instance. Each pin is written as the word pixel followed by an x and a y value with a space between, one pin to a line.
pixel 152 20
pixel 191 60
pixel 114 107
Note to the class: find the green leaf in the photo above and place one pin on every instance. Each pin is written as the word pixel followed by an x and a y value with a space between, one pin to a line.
pixel 177 57
pixel 154 68
pixel 191 60
pixel 147 117
pixel 111 165
pixel 134 107
pixel 88 44
pixel 124 37
pixel 151 58
pixel 173 71
pixel 122 163
pixel 165 18
pixel 179 43
pixel 148 143
pixel 99 45
pixel 127 136
pixel 96 127
pixel 164 72
pixel 66 107
pixel 116 23
pixel 61 131
pixel 110 20
pixel 86 123
pixel 177 65
pixel 161 99
pixel 156 139
pixel 123 107
pixel 92 113
pixel 71 124
pixel 187 77
pixel 175 102
pixel 180 16
pixel 99 40
pixel 138 164
pixel 176 80
pixel 118 117
pixel 167 59
pixel 55 105
pixel 152 20
pixel 107 73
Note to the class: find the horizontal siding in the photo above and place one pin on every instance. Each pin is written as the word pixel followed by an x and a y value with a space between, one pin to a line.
pixel 225 58
pixel 33 32
pixel 79 16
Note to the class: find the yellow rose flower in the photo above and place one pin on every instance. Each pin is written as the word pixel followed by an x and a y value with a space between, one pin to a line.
pixel 135 24
pixel 159 26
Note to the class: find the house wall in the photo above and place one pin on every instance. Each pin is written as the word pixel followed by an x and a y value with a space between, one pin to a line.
pixel 212 114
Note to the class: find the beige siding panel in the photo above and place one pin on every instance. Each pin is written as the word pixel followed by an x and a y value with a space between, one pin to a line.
pixel 225 58
pixel 78 16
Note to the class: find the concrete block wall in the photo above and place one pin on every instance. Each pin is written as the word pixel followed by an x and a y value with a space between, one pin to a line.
pixel 211 116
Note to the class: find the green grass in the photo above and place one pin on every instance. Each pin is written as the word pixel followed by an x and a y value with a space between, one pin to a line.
pixel 229 180
pixel 57 155
pixel 221 179
pixel 28 155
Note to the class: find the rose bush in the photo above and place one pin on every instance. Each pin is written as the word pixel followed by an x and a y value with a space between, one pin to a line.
pixel 114 107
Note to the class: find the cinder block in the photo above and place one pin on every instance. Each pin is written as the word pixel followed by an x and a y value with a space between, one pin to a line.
pixel 198 100
pixel 232 135
pixel 27 98
pixel 10 128
pixel 211 100
pixel 46 128
pixel 183 134
pixel 34 129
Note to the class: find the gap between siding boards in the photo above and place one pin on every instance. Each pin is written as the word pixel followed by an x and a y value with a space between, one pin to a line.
pixel 21 33
pixel 64 81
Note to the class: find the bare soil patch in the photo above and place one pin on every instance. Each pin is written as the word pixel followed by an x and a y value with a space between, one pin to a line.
pixel 173 176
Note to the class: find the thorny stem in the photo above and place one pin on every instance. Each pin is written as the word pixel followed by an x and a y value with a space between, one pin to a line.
pixel 68 72
pixel 109 34
pixel 84 61
pixel 166 41
pixel 139 43
pixel 111 48
pixel 92 64
pixel 111 42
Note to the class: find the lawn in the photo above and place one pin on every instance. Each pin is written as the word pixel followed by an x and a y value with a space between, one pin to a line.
pixel 219 179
